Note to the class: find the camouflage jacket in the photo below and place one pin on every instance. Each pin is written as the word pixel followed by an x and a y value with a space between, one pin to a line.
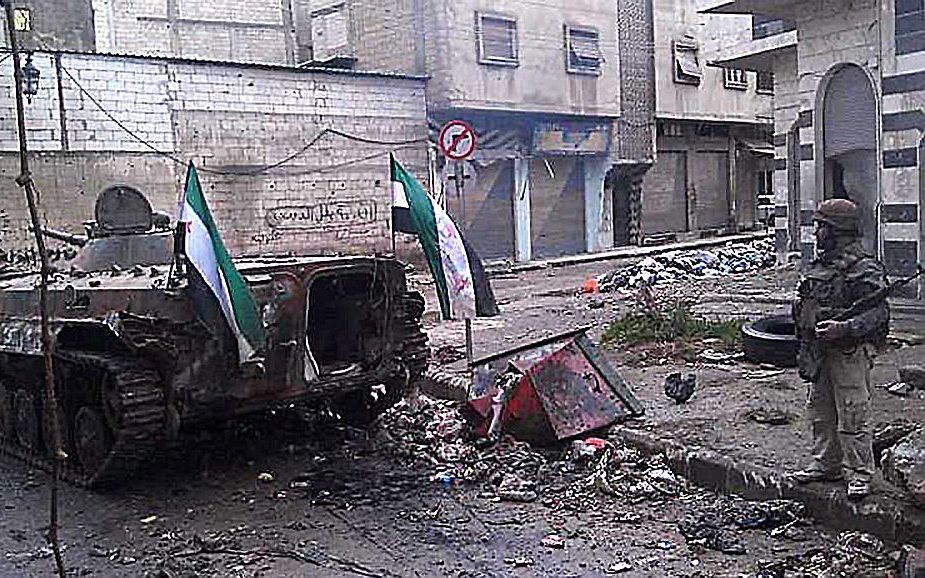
pixel 833 283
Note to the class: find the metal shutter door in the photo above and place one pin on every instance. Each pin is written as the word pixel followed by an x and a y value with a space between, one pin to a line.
pixel 850 113
pixel 557 207
pixel 664 197
pixel 711 182
pixel 489 223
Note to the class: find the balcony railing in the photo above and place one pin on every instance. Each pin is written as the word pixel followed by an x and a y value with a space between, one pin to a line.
pixel 763 26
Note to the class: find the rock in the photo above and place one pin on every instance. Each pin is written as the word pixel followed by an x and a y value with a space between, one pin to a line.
pixel 265 477
pixel 913 375
pixel 619 568
pixel 904 465
pixel 514 489
pixel 553 541
pixel 913 564
pixel 520 561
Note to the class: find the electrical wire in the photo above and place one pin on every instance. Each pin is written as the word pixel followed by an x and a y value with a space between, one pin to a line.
pixel 397 145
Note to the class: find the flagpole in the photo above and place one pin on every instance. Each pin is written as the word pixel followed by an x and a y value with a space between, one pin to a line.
pixel 460 182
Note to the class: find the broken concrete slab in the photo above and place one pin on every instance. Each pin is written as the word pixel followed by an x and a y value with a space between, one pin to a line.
pixel 914 375
pixel 904 465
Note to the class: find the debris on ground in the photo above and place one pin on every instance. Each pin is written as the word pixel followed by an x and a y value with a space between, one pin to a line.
pixel 904 465
pixel 770 416
pixel 717 527
pixel 688 264
pixel 513 488
pixel 680 387
pixel 855 554
pixel 554 541
pixel 544 397
pixel 913 375
pixel 887 435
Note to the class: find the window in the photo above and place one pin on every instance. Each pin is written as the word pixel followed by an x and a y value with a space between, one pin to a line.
pixel 765 83
pixel 330 35
pixel 687 61
pixel 735 78
pixel 497 38
pixel 583 51
pixel 22 19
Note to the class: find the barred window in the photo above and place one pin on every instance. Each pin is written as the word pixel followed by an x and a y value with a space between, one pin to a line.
pixel 583 49
pixel 765 83
pixel 497 39
pixel 735 78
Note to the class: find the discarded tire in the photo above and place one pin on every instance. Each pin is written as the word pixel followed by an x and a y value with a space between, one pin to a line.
pixel 771 340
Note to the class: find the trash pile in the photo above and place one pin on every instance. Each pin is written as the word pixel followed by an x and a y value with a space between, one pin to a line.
pixel 854 554
pixel 717 527
pixel 683 265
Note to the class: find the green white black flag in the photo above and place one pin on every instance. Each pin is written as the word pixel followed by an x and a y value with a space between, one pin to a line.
pixel 462 285
pixel 206 253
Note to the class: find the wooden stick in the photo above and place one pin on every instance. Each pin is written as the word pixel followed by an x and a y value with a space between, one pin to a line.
pixel 51 400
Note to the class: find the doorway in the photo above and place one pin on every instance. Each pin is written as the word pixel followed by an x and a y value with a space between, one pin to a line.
pixel 849 164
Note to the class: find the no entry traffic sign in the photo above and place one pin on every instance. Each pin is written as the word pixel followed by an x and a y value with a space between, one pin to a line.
pixel 457 140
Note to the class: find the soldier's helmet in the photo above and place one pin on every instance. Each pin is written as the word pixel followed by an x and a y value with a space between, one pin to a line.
pixel 841 214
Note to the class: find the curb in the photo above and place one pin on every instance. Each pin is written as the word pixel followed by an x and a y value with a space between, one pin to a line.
pixel 885 517
pixel 503 267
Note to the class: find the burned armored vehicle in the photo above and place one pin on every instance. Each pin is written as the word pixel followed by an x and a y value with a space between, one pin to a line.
pixel 135 363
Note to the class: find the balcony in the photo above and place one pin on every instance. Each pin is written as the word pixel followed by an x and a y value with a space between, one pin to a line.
pixel 764 26
pixel 770 8
pixel 755 54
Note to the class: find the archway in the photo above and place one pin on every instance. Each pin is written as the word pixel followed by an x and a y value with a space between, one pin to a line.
pixel 850 144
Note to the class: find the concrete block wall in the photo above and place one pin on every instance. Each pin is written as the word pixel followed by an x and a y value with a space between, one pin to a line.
pixel 228 119
pixel 388 35
pixel 253 31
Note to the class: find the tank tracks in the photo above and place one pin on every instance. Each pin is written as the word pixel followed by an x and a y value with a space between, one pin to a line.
pixel 137 420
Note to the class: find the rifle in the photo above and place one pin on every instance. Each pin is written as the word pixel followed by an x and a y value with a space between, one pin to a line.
pixel 863 304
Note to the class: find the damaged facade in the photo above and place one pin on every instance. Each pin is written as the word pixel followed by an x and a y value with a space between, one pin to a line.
pixel 714 147
pixel 232 119
pixel 566 99
pixel 567 109
pixel 849 84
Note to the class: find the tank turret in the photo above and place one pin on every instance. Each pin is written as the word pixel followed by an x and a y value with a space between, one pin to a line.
pixel 127 232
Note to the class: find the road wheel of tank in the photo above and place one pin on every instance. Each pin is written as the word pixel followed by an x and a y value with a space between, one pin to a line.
pixel 7 419
pixel 92 439
pixel 27 420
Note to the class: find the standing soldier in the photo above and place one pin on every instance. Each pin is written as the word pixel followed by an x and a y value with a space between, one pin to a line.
pixel 836 356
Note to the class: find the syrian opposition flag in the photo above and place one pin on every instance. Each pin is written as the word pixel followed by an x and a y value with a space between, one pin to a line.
pixel 207 256
pixel 462 285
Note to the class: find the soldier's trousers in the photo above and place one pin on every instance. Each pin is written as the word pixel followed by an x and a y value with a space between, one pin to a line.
pixel 839 401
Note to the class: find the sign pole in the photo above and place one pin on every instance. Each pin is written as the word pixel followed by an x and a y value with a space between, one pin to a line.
pixel 457 140
pixel 461 194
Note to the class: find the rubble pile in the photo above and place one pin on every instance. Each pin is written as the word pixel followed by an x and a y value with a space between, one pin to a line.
pixel 854 554
pixel 689 264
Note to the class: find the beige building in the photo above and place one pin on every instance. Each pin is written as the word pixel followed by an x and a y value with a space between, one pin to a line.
pixel 542 83
pixel 850 82
pixel 713 168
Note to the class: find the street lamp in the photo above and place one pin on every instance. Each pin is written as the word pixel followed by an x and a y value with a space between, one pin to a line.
pixel 30 78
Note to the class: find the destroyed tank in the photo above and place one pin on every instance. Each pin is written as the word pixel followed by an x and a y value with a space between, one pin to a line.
pixel 136 361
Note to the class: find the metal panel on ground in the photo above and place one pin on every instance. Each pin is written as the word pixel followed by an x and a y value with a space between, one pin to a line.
pixel 664 197
pixel 487 219
pixel 557 205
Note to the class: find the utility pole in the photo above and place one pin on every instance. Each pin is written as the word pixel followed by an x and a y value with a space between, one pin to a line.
pixel 25 181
